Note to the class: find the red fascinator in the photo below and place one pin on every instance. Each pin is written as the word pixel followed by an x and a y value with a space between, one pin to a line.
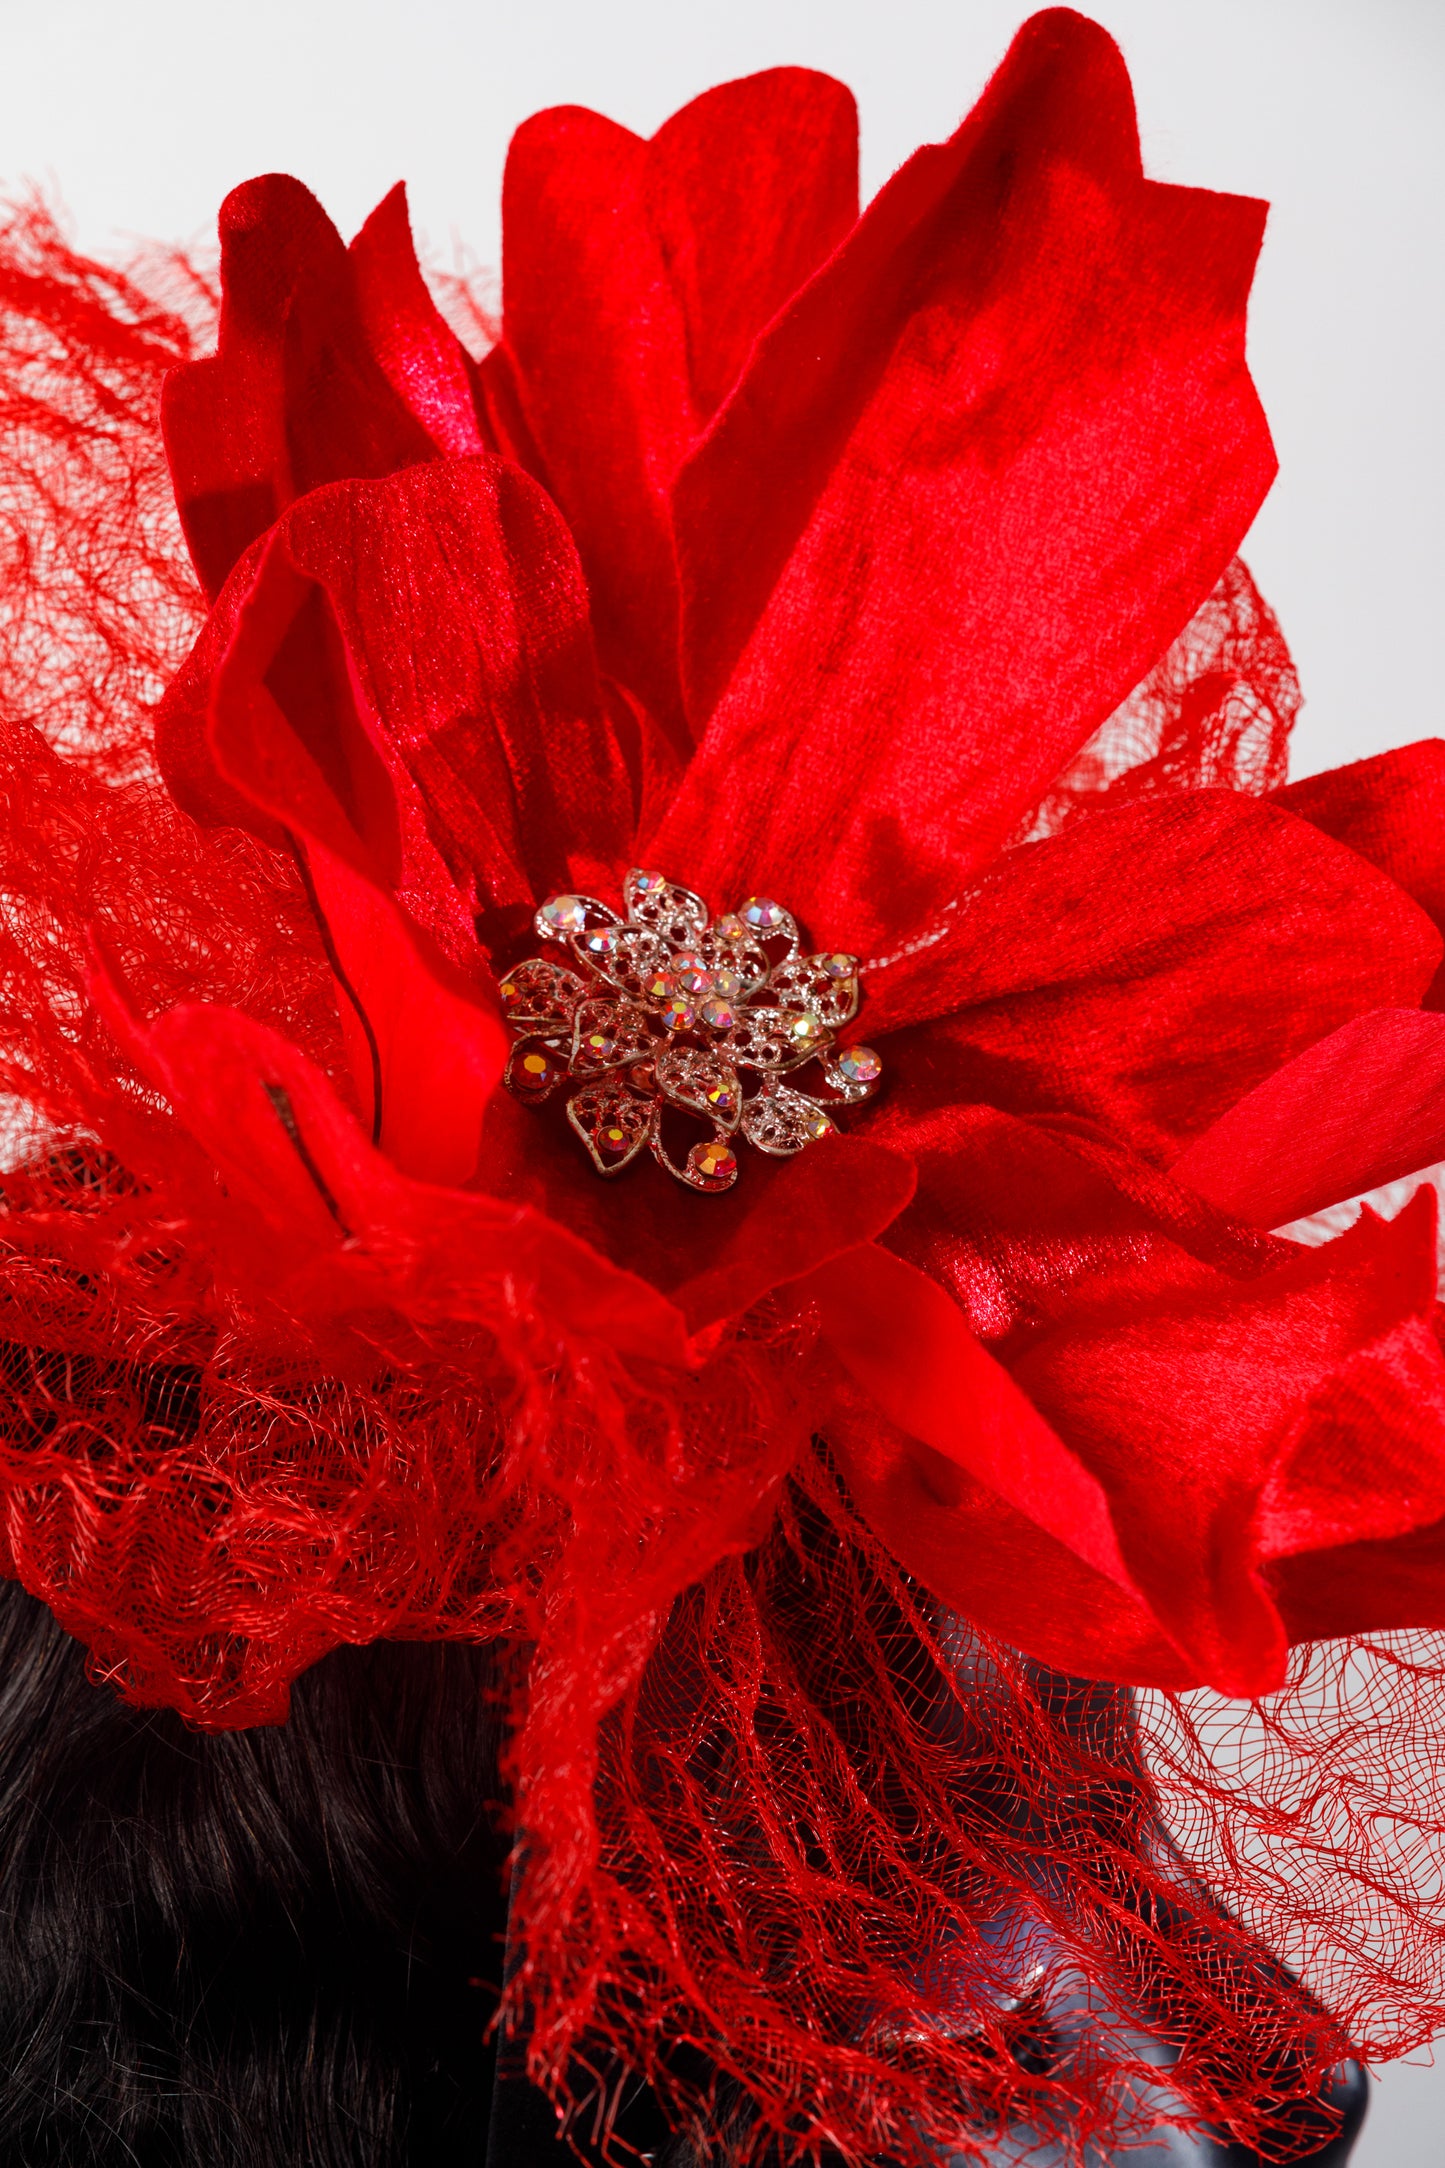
pixel 666 1023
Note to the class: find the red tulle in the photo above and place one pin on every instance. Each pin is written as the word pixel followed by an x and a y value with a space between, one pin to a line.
pixel 885 563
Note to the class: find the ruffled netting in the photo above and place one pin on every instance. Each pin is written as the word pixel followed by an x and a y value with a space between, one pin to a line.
pixel 824 1863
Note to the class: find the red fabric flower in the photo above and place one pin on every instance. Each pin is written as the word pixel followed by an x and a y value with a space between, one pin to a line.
pixel 792 552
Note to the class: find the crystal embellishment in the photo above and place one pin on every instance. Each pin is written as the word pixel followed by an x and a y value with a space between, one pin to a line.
pixel 662 1017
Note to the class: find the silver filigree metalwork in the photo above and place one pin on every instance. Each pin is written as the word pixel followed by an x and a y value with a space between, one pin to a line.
pixel 664 1013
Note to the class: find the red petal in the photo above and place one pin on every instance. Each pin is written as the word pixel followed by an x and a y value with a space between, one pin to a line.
pixel 909 1347
pixel 1024 1226
pixel 671 255
pixel 293 395
pixel 714 1257
pixel 1369 1456
pixel 1392 811
pixel 351 1232
pixel 837 1193
pixel 448 600
pixel 996 1566
pixel 421 356
pixel 1363 1588
pixel 973 482
pixel 1187 1411
pixel 1363 1107
pixel 422 1044
pixel 750 188
pixel 1147 968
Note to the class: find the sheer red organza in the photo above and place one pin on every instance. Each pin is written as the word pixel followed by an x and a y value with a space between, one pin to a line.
pixel 808 1512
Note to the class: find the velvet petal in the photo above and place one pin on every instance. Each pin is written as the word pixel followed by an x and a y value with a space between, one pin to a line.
pixel 1360 1108
pixel 1144 969
pixel 972 483
pixel 293 395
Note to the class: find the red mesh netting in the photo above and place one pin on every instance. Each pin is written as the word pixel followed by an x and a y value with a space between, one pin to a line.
pixel 1216 710
pixel 803 1848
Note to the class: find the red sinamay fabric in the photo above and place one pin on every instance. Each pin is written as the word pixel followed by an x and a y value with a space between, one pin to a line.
pixel 885 564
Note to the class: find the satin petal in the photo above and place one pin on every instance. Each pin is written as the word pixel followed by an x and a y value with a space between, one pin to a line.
pixel 421 357
pixel 1391 809
pixel 1146 969
pixel 1358 1109
pixel 671 254
pixel 908 1345
pixel 1189 1412
pixel 350 1231
pixel 293 395
pixel 713 1257
pixel 996 1566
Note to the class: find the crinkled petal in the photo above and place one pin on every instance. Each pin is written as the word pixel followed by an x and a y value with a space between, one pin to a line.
pixel 972 483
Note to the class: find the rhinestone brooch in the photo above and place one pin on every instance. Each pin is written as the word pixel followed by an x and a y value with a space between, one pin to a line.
pixel 667 1010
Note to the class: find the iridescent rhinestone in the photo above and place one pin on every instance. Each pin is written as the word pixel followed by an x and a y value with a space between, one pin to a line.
pixel 690 977
pixel 601 943
pixel 715 1162
pixel 564 914
pixel 817 1125
pixel 761 915
pixel 717 1014
pixel 803 1029
pixel 860 1065
pixel 658 985
pixel 728 983
pixel 838 966
pixel 612 1142
pixel 677 1014
pixel 730 930
pixel 534 1072
pixel 598 1046
pixel 647 884
pixel 723 1099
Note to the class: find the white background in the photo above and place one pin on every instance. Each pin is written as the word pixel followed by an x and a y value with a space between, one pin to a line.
pixel 140 114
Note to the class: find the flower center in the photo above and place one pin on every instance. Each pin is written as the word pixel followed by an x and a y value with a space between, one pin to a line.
pixel 664 1013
